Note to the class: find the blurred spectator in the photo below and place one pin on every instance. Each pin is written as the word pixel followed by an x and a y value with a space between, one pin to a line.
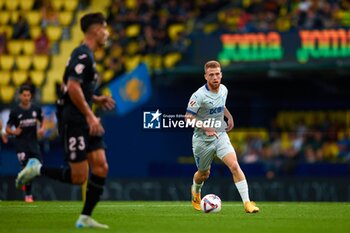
pixel 284 15
pixel 180 44
pixel 3 43
pixel 48 14
pixel 4 116
pixel 344 147
pixel 21 29
pixel 149 45
pixel 33 89
pixel 42 43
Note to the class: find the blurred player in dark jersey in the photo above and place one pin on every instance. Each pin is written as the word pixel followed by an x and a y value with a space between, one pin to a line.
pixel 23 124
pixel 81 130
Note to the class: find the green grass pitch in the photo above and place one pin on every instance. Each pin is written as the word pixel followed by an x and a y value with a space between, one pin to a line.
pixel 163 217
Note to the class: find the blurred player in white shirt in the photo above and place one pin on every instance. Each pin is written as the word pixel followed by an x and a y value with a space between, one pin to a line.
pixel 208 104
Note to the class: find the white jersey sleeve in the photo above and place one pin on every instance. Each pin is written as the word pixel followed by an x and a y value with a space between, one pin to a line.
pixel 194 103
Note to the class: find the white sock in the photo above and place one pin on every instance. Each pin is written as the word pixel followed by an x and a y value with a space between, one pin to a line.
pixel 197 187
pixel 242 187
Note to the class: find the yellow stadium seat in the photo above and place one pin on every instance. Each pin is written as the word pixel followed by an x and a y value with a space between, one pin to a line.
pixel 174 30
pixel 99 68
pixel 5 77
pixel 107 75
pixel 210 27
pixel 23 62
pixel 26 5
pixel 35 31
pixel 132 62
pixel 171 59
pixel 28 47
pixel 33 18
pixel 14 17
pixel 7 29
pixel 37 77
pixel 7 62
pixel 19 77
pixel 7 93
pixel 132 48
pixel 65 18
pixel 54 76
pixel 133 30
pixel 100 54
pixel 54 33
pixel 57 4
pixel 157 61
pixel 40 62
pixel 11 5
pixel 14 47
pixel 4 17
pixel 2 2
pixel 148 60
pixel 131 4
pixel 48 93
pixel 70 5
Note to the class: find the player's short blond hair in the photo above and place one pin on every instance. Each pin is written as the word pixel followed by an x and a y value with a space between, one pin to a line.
pixel 211 64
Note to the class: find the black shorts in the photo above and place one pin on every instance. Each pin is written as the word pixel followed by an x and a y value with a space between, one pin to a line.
pixel 27 149
pixel 24 156
pixel 78 142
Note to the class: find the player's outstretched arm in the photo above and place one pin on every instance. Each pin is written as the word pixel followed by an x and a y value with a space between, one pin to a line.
pixel 106 102
pixel 77 96
pixel 230 122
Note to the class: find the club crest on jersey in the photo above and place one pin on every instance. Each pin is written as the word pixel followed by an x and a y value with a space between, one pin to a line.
pixel 79 68
pixel 34 113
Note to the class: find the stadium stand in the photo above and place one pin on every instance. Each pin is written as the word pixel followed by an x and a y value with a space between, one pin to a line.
pixel 158 33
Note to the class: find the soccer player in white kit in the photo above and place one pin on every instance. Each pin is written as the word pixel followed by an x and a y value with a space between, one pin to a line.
pixel 208 104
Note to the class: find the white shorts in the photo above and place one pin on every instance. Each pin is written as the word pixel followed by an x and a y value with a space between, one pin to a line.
pixel 205 151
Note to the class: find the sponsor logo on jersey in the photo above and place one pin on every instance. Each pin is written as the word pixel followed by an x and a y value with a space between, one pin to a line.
pixel 82 56
pixel 27 122
pixel 216 110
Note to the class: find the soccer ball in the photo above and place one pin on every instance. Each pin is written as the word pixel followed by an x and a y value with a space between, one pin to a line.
pixel 211 203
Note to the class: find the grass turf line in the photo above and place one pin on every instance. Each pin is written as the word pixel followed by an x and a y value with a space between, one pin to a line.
pixel 163 217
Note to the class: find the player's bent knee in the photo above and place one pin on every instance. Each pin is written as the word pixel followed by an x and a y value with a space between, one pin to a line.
pixel 100 169
pixel 79 178
pixel 104 169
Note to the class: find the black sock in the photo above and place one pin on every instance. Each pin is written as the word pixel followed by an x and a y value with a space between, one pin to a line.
pixel 61 174
pixel 93 193
pixel 28 189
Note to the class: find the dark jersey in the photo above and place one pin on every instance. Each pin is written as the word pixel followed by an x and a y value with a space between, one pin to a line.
pixel 82 68
pixel 27 120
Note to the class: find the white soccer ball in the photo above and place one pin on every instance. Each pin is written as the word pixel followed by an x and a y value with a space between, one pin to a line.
pixel 211 203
